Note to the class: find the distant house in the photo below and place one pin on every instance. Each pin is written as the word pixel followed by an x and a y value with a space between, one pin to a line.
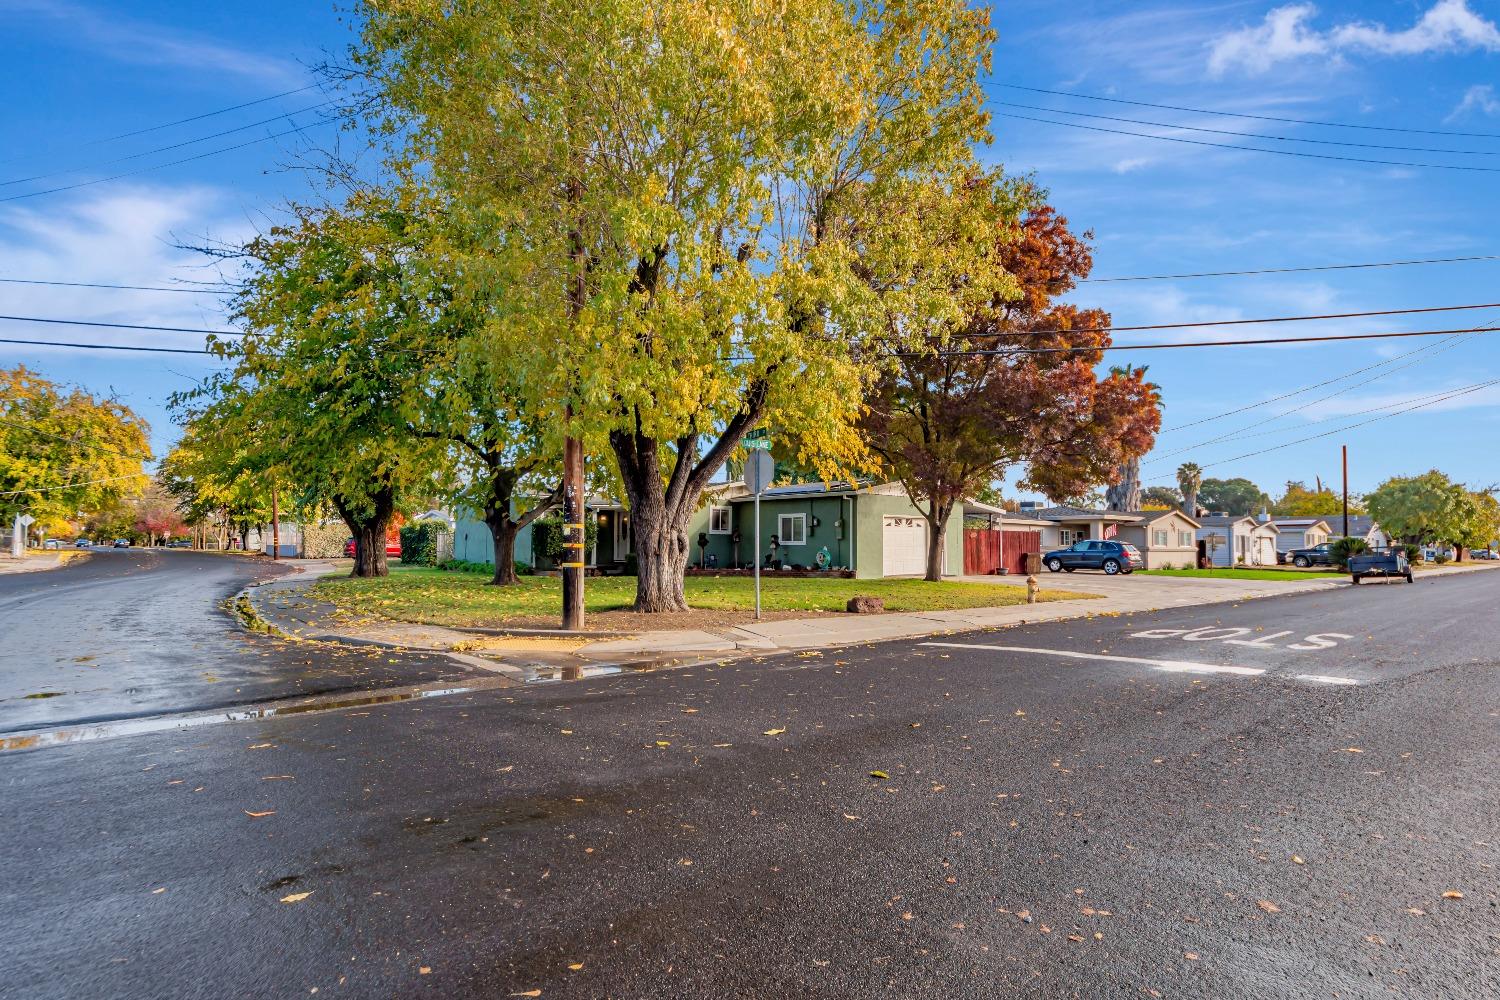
pixel 1230 540
pixel 872 529
pixel 1164 537
pixel 1364 526
pixel 1300 532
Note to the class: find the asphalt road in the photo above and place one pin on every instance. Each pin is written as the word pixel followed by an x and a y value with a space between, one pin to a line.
pixel 1048 825
pixel 132 632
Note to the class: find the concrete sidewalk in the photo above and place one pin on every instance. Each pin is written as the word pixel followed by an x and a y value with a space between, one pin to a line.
pixel 33 562
pixel 286 605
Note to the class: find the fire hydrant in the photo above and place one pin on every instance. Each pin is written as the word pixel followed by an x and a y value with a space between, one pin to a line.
pixel 1031 589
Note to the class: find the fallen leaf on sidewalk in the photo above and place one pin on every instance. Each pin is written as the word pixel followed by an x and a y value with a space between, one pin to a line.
pixel 268 812
pixel 1268 906
pixel 773 732
pixel 297 897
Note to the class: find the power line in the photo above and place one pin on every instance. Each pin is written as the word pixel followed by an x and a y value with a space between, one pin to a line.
pixel 1257 149
pixel 105 347
pixel 1251 135
pixel 1246 431
pixel 1291 270
pixel 1364 314
pixel 1339 430
pixel 85 482
pixel 1241 114
pixel 126 288
pixel 165 149
pixel 170 163
pixel 122 326
pixel 1005 351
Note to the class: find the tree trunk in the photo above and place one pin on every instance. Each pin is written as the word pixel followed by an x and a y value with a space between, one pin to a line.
pixel 661 555
pixel 504 532
pixel 369 525
pixel 937 528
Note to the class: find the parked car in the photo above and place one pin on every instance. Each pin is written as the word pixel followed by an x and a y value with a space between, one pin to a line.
pixel 1317 555
pixel 122 543
pixel 392 548
pixel 1387 562
pixel 181 543
pixel 82 543
pixel 52 543
pixel 1092 553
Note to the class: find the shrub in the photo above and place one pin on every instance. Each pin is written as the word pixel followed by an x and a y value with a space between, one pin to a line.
pixel 1342 549
pixel 547 536
pixel 1413 552
pixel 1441 558
pixel 419 542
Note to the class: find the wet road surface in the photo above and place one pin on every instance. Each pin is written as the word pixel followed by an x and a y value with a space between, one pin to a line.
pixel 134 632
pixel 1051 823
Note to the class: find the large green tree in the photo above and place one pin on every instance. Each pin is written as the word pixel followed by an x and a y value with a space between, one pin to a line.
pixel 1237 496
pixel 1429 508
pixel 65 451
pixel 674 182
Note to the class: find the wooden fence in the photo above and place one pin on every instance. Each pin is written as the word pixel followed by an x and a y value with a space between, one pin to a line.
pixel 987 550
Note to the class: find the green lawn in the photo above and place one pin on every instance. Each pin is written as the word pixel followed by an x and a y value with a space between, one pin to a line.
pixel 457 599
pixel 1248 574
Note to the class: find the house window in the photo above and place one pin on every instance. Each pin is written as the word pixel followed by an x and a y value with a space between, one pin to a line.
pixel 718 520
pixel 1159 537
pixel 792 529
pixel 1184 539
pixel 1067 536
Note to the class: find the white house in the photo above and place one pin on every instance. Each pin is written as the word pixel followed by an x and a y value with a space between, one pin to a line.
pixel 1300 532
pixel 1230 540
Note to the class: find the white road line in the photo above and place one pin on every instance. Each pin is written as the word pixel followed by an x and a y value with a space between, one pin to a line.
pixel 1171 666
pixel 1167 666
pixel 1326 679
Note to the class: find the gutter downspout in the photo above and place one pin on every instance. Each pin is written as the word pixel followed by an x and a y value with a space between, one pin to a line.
pixel 853 555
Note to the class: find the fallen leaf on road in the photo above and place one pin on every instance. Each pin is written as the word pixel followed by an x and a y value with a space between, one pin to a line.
pixel 1191 956
pixel 279 777
pixel 1075 937
pixel 686 862
pixel 907 915
pixel 528 993
pixel 722 746
pixel 1353 750
pixel 260 746
pixel 155 892
pixel 297 897
pixel 1416 912
pixel 1374 939
pixel 1453 894
pixel 1297 860
pixel 663 743
pixel 773 732
pixel 879 774
pixel 425 970
pixel 851 817
pixel 689 711
pixel 268 812
pixel 575 966
pixel 1268 906
pixel 567 732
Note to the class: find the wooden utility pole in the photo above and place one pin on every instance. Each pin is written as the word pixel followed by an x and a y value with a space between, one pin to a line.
pixel 574 502
pixel 574 509
pixel 1345 449
pixel 275 525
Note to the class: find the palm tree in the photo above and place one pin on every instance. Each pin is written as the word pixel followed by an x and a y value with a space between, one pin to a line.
pixel 1189 478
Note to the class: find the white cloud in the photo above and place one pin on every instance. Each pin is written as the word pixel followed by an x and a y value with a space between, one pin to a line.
pixel 120 235
pixel 148 44
pixel 1480 98
pixel 1287 34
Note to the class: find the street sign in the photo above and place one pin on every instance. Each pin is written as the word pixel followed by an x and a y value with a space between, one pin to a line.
pixel 760 439
pixel 760 469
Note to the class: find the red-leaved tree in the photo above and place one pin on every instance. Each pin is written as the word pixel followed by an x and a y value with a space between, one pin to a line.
pixel 949 419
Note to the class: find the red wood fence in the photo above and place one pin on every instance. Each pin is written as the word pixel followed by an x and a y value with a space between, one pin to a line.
pixel 987 550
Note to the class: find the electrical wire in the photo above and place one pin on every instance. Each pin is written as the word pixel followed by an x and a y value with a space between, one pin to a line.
pixel 122 326
pixel 165 149
pixel 1257 149
pixel 171 163
pixel 1288 270
pixel 85 482
pixel 126 288
pixel 1241 114
pixel 1005 351
pixel 1250 135
pixel 105 347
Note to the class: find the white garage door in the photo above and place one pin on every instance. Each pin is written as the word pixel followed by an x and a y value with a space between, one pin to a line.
pixel 904 544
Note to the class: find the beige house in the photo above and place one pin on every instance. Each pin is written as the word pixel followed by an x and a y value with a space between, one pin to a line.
pixel 1164 537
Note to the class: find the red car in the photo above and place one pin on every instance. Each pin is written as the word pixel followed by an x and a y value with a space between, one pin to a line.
pixel 392 548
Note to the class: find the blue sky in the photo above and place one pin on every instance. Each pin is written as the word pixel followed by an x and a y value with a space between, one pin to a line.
pixel 81 71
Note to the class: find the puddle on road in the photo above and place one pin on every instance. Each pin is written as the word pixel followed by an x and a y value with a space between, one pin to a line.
pixel 169 723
